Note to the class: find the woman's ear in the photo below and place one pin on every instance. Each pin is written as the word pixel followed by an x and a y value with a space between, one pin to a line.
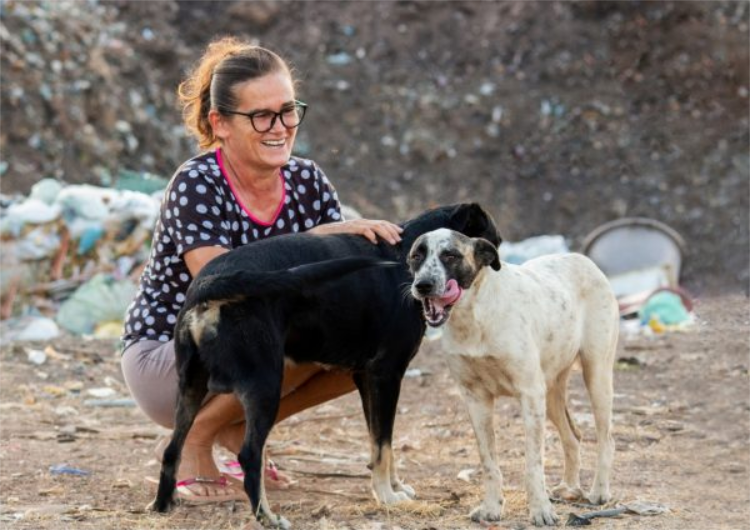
pixel 485 253
pixel 218 124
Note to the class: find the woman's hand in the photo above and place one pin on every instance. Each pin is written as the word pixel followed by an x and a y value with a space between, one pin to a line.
pixel 369 228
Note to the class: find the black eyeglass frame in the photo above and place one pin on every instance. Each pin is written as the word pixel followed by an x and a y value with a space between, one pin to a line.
pixel 300 106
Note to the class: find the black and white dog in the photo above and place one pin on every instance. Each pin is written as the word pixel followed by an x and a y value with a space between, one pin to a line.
pixel 283 298
pixel 516 331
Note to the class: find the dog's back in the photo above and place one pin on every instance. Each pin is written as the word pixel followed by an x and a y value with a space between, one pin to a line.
pixel 558 304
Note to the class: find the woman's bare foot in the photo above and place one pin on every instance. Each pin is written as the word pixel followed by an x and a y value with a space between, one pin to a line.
pixel 230 438
pixel 199 480
pixel 195 459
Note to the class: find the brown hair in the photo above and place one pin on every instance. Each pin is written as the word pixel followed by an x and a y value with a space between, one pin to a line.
pixel 209 85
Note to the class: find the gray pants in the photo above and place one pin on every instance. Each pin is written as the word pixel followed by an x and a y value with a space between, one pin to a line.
pixel 149 370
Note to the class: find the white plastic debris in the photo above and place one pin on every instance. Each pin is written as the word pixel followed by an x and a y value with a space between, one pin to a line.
pixel 103 392
pixel 466 474
pixel 37 357
pixel 532 247
pixel 30 211
pixel 40 328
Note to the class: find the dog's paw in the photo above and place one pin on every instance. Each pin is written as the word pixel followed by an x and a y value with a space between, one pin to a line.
pixel 405 488
pixel 160 506
pixel 275 521
pixel 544 515
pixel 486 512
pixel 567 493
pixel 392 497
pixel 599 496
pixel 253 525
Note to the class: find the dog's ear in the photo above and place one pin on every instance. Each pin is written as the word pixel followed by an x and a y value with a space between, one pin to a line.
pixel 471 219
pixel 485 253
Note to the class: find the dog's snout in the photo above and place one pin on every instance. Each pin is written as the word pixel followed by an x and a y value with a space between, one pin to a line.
pixel 424 287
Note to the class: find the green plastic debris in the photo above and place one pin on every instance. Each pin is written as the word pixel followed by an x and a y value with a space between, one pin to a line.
pixel 101 299
pixel 145 182
pixel 666 307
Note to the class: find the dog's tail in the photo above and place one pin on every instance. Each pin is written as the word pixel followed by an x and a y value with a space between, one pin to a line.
pixel 242 284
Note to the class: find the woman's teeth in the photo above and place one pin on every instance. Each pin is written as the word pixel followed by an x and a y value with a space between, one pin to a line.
pixel 274 143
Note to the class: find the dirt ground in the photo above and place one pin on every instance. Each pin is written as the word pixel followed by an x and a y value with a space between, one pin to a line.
pixel 681 425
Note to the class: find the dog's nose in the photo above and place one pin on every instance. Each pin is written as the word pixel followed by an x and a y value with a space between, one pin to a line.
pixel 423 287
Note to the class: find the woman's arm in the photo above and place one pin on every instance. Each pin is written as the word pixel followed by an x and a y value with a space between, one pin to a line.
pixel 197 258
pixel 368 228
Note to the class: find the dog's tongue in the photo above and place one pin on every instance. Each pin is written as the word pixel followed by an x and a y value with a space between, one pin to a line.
pixel 452 294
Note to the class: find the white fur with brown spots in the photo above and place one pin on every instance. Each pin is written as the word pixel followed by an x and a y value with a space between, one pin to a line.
pixel 517 331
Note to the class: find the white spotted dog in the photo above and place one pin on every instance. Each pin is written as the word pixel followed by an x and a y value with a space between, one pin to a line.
pixel 516 331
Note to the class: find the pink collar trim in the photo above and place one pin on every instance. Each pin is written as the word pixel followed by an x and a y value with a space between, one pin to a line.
pixel 254 219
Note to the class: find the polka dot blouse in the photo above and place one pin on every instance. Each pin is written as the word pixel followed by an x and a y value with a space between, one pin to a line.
pixel 200 209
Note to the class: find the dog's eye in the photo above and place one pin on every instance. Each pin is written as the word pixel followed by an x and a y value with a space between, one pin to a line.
pixel 449 258
pixel 416 257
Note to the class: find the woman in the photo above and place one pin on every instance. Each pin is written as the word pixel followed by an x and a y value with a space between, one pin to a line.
pixel 240 103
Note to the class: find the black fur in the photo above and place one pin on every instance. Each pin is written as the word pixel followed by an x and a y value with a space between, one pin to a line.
pixel 277 304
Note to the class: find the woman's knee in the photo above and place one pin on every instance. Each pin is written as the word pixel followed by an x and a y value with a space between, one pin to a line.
pixel 152 381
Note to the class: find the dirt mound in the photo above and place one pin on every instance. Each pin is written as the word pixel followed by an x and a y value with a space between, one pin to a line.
pixel 557 116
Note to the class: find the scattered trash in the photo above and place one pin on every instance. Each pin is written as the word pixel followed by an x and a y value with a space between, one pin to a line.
pixel 642 259
pixel 37 357
pixel 123 402
pixel 646 508
pixel 533 247
pixel 101 299
pixel 64 469
pixel 466 474
pixel 585 519
pixel 629 363
pixel 108 330
pixel 77 251
pixel 339 59
pixel 38 329
pixel 665 308
pixel 62 237
pixel 417 372
pixel 636 507
pixel 637 254
pixel 103 392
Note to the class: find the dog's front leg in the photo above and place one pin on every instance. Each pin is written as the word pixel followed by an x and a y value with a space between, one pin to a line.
pixel 534 416
pixel 379 401
pixel 480 407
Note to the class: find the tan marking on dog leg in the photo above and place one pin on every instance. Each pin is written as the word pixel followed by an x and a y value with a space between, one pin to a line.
pixel 381 476
pixel 398 485
pixel 264 508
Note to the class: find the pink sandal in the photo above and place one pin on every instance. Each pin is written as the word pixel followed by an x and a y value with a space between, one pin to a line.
pixel 229 493
pixel 274 480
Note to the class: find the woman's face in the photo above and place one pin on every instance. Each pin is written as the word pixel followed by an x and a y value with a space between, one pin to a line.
pixel 263 150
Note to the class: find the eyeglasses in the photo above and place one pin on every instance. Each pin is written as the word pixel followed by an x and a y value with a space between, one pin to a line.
pixel 264 120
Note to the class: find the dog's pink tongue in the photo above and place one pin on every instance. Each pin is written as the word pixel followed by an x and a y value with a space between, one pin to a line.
pixel 451 295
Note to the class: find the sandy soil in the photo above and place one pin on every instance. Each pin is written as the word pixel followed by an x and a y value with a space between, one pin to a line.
pixel 681 427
